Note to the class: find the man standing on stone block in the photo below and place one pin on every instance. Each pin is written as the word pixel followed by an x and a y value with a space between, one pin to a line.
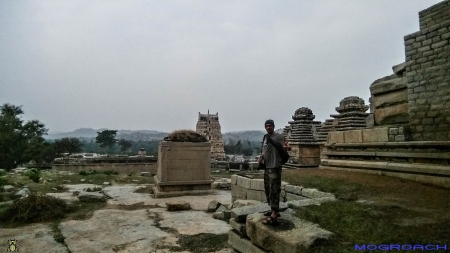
pixel 271 158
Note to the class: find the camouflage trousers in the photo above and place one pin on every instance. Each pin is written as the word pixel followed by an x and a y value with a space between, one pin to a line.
pixel 272 187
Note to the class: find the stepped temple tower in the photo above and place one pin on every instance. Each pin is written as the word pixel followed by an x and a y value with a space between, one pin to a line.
pixel 208 125
pixel 300 134
pixel 352 114
pixel 301 127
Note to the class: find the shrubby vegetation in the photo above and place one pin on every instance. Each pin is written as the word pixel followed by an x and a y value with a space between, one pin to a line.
pixel 21 141
pixel 34 208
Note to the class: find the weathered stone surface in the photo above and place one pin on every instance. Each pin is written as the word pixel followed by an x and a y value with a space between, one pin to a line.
pixel 256 195
pixel 290 196
pixel 225 215
pixel 91 197
pixel 379 134
pixel 213 205
pixel 177 205
pixel 239 227
pixel 303 202
pixel 191 222
pixel 32 238
pixel 388 85
pixel 242 202
pixel 390 98
pixel 399 68
pixel 234 179
pixel 8 188
pixel 257 184
pixel 141 235
pixel 395 114
pixel 314 193
pixel 335 137
pixel 243 244
pixel 23 192
pixel 240 214
pixel 221 208
pixel 238 192
pixel 294 189
pixel 244 182
pixel 293 235
pixel 353 136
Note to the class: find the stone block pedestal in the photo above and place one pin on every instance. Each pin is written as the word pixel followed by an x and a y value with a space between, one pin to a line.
pixel 184 168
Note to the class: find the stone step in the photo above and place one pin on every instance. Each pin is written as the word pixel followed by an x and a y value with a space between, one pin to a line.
pixel 241 244
pixel 291 235
pixel 240 214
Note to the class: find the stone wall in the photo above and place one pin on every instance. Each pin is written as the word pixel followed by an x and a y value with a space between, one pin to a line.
pixel 123 168
pixel 246 188
pixel 428 75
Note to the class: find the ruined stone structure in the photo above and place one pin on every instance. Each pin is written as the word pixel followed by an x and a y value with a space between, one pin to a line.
pixel 389 98
pixel 300 136
pixel 428 75
pixel 326 127
pixel 208 125
pixel 125 165
pixel 408 131
pixel 301 126
pixel 352 114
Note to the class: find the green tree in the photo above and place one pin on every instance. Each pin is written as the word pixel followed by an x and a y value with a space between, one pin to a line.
pixel 69 145
pixel 19 142
pixel 106 138
pixel 124 144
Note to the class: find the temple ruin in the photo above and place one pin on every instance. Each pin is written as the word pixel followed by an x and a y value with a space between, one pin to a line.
pixel 208 125
pixel 406 134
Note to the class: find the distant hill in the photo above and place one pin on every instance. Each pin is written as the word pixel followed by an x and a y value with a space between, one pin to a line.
pixel 150 135
pixel 88 133
pixel 252 135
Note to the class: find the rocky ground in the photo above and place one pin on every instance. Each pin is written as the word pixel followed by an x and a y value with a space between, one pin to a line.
pixel 130 222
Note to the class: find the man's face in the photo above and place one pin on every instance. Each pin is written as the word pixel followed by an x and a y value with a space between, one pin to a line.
pixel 269 128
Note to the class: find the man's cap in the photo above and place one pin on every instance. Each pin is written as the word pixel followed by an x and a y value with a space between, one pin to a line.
pixel 269 122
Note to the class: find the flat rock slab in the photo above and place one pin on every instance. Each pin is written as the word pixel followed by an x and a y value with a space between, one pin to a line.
pixel 124 195
pixel 240 213
pixel 191 222
pixel 115 231
pixel 292 235
pixel 32 238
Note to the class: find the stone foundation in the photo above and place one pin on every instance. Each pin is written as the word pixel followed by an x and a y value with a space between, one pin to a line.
pixel 184 168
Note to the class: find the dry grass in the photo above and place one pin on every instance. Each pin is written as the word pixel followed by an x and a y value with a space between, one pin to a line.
pixel 185 135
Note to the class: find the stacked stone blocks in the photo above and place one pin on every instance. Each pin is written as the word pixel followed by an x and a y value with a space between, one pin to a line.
pixel 250 235
pixel 253 189
pixel 428 75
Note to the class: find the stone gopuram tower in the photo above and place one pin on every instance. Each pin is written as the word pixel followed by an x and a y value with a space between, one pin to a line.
pixel 208 125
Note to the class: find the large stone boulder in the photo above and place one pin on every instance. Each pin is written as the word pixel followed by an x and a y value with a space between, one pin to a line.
pixel 177 205
pixel 291 235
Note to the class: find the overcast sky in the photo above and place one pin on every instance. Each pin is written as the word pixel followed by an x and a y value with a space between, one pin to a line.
pixel 155 64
